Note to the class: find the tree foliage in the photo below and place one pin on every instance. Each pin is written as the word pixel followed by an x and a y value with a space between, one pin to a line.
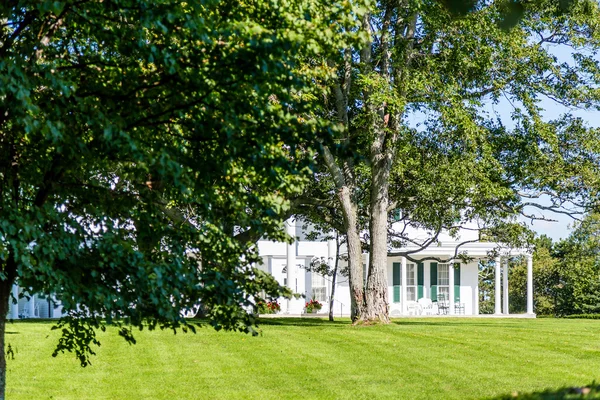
pixel 144 144
pixel 566 274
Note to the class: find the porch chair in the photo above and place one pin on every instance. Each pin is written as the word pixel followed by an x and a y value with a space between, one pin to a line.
pixel 459 308
pixel 443 304
pixel 426 306
pixel 413 308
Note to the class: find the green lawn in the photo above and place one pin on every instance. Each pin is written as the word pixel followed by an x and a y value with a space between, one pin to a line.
pixel 312 358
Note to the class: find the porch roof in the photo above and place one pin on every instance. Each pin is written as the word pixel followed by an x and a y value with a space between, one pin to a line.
pixel 475 249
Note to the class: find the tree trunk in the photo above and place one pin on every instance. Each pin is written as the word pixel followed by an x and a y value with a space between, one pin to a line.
pixel 335 271
pixel 377 287
pixel 5 290
pixel 350 213
pixel 355 266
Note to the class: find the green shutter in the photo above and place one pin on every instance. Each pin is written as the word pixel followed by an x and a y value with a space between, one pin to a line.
pixel 396 281
pixel 433 276
pixel 420 279
pixel 457 282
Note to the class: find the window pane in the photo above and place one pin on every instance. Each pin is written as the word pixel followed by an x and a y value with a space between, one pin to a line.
pixel 443 275
pixel 410 274
pixel 319 294
pixel 319 287
pixel 411 294
pixel 317 279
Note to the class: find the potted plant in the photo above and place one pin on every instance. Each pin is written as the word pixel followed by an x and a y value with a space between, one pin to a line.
pixel 313 306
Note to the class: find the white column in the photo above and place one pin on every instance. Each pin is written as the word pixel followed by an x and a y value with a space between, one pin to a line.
pixel 498 296
pixel 15 307
pixel 290 257
pixel 475 310
pixel 451 286
pixel 403 297
pixel 31 305
pixel 505 288
pixel 529 284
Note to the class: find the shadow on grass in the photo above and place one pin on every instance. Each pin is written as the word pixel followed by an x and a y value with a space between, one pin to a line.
pixel 456 322
pixel 587 392
pixel 287 321
pixel 33 321
pixel 312 321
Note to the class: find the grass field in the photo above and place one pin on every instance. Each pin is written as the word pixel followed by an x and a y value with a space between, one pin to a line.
pixel 315 359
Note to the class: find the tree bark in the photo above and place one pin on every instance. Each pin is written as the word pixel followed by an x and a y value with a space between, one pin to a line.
pixel 357 283
pixel 5 291
pixel 350 212
pixel 377 287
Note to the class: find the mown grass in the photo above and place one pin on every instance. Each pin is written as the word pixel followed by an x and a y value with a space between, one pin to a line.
pixel 315 359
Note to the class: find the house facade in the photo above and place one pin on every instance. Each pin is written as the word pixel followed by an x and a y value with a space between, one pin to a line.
pixel 431 281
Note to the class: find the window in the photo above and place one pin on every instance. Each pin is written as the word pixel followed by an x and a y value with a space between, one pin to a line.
pixel 443 280
pixel 319 287
pixel 411 282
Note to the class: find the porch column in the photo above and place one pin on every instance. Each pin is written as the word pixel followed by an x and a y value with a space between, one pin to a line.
pixel 15 306
pixel 529 284
pixel 31 305
pixel 505 288
pixel 476 297
pixel 451 286
pixel 290 256
pixel 403 296
pixel 498 296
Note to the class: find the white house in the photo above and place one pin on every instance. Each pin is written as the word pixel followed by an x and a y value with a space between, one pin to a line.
pixel 414 286
pixel 33 306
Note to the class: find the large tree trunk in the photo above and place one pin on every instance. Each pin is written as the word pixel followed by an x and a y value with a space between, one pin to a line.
pixel 343 182
pixel 377 287
pixel 5 290
pixel 355 266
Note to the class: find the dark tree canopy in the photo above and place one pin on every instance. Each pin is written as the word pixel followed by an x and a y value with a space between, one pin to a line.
pixel 143 144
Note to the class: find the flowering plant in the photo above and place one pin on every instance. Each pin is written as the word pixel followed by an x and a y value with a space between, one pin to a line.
pixel 272 307
pixel 312 305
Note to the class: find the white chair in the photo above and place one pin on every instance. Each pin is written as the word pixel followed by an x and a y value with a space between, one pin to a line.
pixel 426 306
pixel 413 308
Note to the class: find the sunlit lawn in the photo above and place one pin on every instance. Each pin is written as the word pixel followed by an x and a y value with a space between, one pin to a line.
pixel 311 358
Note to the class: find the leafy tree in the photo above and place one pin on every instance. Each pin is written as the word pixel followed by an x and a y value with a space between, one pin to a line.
pixel 578 283
pixel 487 298
pixel 545 279
pixel 144 145
pixel 460 163
pixel 566 274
